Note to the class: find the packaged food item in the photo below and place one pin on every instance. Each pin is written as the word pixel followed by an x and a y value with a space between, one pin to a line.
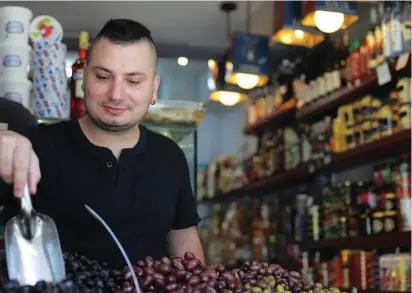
pixel 359 139
pixel 350 138
pixel 395 272
pixel 378 222
pixel 385 121
pixel 251 112
pixel 405 116
pixel 367 131
pixel 391 221
pixel 404 90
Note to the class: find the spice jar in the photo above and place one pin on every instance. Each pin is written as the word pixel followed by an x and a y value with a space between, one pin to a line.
pixel 350 138
pixel 251 112
pixel 390 201
pixel 367 131
pixel 359 140
pixel 405 116
pixel 377 222
pixel 385 121
pixel 390 221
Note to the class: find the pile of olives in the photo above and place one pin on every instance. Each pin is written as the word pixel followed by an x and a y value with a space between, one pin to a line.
pixel 189 275
pixel 169 275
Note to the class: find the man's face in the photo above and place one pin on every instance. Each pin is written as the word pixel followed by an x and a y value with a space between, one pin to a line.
pixel 120 83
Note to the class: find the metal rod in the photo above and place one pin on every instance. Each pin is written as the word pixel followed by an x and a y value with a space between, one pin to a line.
pixel 248 16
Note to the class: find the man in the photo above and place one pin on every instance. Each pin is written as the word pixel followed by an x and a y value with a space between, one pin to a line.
pixel 135 179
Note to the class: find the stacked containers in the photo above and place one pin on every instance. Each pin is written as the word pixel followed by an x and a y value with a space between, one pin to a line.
pixel 50 96
pixel 15 54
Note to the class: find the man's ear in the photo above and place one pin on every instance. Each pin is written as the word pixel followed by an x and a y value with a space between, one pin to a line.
pixel 156 83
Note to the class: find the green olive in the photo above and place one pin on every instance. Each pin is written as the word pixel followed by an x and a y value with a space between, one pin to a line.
pixel 272 284
pixel 287 292
pixel 279 288
pixel 267 291
pixel 257 290
pixel 334 290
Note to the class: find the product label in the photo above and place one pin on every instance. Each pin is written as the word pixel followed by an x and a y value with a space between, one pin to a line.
pixel 14 27
pixel 389 225
pixel 12 61
pixel 377 226
pixel 396 36
pixel 78 79
pixel 387 40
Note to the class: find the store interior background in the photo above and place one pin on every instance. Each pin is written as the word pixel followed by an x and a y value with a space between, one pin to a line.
pixel 197 30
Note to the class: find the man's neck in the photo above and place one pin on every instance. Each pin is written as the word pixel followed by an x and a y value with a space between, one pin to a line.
pixel 115 141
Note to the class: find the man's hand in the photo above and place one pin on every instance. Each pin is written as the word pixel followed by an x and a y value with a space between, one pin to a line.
pixel 18 162
pixel 184 240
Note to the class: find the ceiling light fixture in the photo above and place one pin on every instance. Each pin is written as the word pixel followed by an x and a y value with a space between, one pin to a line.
pixel 182 61
pixel 328 21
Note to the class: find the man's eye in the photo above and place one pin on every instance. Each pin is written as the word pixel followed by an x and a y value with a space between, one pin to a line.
pixel 134 81
pixel 101 76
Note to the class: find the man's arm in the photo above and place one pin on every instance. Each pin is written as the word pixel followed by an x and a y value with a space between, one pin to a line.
pixel 184 236
pixel 184 240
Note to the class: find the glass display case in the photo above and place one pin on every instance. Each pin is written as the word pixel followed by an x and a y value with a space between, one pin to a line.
pixel 178 120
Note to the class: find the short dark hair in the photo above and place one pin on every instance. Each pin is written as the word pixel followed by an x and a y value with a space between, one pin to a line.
pixel 124 32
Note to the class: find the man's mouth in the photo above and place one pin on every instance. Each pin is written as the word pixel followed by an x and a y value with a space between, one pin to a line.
pixel 114 110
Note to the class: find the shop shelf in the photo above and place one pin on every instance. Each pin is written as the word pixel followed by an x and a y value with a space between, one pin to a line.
pixel 285 113
pixel 385 240
pixel 348 94
pixel 337 98
pixel 384 147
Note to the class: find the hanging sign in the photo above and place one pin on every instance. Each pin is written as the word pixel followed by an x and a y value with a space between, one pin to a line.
pixel 250 54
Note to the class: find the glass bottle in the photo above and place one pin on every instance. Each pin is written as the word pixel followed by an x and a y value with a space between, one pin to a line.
pixel 78 109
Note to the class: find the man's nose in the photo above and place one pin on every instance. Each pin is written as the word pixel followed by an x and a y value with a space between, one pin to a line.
pixel 117 90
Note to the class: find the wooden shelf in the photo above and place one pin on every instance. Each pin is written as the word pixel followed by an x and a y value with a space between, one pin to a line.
pixel 348 94
pixel 279 117
pixel 337 98
pixel 382 148
pixel 385 240
pixel 386 146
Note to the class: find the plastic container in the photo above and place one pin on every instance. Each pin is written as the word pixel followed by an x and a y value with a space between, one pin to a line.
pixel 14 24
pixel 17 90
pixel 15 60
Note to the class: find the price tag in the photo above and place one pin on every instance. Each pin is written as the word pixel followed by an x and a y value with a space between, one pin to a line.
pixel 402 61
pixel 384 74
pixel 4 126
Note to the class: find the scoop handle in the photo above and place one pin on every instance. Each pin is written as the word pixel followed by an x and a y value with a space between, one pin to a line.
pixel 25 202
pixel 27 222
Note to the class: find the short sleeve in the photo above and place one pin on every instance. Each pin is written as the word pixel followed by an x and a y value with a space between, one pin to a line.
pixel 186 215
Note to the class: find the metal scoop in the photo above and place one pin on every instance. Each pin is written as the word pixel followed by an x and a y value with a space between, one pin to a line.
pixel 33 248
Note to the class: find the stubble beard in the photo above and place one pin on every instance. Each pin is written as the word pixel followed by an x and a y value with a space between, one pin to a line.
pixel 108 126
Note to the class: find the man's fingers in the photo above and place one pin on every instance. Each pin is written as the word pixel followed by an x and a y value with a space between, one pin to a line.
pixel 34 173
pixel 7 145
pixel 21 161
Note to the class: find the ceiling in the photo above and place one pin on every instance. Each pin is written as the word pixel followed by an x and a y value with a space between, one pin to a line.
pixel 197 24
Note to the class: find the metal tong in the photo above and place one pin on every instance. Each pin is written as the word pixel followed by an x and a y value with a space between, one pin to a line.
pixel 33 249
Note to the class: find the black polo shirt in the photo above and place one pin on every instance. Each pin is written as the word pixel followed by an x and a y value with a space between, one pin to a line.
pixel 141 196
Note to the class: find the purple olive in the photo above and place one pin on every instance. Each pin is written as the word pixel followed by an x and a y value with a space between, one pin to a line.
pixel 171 279
pixel 194 280
pixel 149 261
pixel 171 287
pixel 189 256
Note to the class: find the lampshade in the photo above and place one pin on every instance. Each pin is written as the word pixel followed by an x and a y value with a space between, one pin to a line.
pixel 224 93
pixel 328 16
pixel 247 62
pixel 288 30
